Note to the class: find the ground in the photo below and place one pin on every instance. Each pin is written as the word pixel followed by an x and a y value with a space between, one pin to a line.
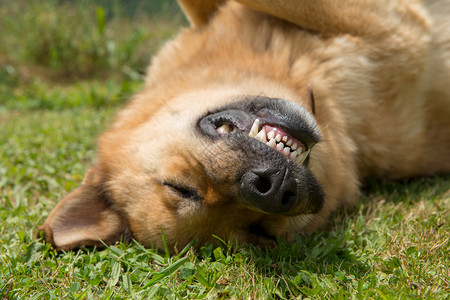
pixel 394 244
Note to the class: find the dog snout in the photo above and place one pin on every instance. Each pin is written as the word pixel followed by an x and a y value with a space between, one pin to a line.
pixel 270 190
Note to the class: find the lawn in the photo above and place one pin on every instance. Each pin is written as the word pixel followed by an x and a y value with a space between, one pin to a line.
pixel 57 96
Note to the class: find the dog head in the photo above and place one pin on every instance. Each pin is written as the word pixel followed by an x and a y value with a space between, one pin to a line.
pixel 219 143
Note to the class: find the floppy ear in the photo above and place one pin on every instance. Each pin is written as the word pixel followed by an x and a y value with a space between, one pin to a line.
pixel 198 12
pixel 84 218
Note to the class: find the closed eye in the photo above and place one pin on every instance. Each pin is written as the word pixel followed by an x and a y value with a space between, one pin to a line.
pixel 185 192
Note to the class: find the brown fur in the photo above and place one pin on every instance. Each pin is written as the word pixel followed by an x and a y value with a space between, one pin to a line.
pixel 380 74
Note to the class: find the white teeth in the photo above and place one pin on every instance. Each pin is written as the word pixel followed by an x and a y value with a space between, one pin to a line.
pixel 271 143
pixel 285 147
pixel 224 129
pixel 280 146
pixel 293 155
pixel 261 136
pixel 254 130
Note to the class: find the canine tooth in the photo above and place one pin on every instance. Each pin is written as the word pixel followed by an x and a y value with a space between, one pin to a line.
pixel 289 143
pixel 224 129
pixel 261 136
pixel 280 146
pixel 271 135
pixel 254 130
pixel 286 151
pixel 278 137
pixel 284 139
pixel 294 147
pixel 271 143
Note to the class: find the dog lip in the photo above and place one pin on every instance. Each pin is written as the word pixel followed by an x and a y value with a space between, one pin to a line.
pixel 245 127
pixel 267 126
pixel 285 115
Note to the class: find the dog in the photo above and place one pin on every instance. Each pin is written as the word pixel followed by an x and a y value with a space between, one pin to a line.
pixel 262 118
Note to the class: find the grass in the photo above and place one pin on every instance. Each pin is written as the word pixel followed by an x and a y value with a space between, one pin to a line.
pixel 395 244
pixel 61 54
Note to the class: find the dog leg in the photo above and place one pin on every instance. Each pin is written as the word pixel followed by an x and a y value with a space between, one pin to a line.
pixel 374 19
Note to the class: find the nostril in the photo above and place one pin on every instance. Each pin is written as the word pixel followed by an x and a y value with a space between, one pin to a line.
pixel 270 190
pixel 263 185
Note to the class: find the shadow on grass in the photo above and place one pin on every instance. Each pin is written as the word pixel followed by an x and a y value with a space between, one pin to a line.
pixel 407 190
pixel 301 264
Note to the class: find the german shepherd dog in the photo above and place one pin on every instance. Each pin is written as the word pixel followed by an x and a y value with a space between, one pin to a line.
pixel 262 118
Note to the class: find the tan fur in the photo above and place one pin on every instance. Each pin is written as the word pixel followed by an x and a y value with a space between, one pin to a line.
pixel 380 73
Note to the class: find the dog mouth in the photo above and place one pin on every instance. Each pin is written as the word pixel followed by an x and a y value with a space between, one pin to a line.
pixel 273 139
pixel 273 136
pixel 284 126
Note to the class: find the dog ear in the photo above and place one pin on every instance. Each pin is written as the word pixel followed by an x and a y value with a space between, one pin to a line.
pixel 84 218
pixel 198 12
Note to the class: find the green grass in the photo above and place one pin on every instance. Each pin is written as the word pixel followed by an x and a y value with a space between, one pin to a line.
pixel 395 244
pixel 62 54
pixel 66 40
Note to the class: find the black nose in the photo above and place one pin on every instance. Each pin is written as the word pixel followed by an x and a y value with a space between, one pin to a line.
pixel 273 190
